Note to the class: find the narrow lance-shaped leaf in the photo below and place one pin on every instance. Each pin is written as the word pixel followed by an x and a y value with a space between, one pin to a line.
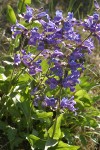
pixel 11 15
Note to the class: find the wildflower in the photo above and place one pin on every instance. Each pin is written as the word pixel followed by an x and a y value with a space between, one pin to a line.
pixel 96 4
pixel 71 80
pixel 58 16
pixel 42 14
pixel 52 82
pixel 50 101
pixel 68 103
pixel 17 59
pixel 29 14
pixel 17 29
pixel 57 70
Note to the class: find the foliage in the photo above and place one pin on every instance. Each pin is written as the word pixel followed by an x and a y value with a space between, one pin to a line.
pixel 45 96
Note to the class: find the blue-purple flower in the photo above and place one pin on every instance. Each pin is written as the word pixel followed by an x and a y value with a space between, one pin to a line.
pixel 89 45
pixel 17 29
pixel 17 59
pixel 50 101
pixel 52 82
pixel 57 70
pixel 68 103
pixel 58 16
pixel 29 14
pixel 42 14
pixel 71 80
pixel 96 4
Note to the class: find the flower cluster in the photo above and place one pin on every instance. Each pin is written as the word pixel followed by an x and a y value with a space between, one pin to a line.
pixel 52 102
pixel 57 40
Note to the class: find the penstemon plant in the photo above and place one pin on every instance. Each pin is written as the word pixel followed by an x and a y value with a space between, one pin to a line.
pixel 49 60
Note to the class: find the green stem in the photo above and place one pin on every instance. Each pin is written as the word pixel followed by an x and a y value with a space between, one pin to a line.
pixel 57 112
pixel 55 124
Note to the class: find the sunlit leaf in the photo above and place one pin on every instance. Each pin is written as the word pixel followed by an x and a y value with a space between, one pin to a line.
pixel 11 15
pixel 3 77
pixel 44 65
pixel 42 114
pixel 55 131
pixel 63 146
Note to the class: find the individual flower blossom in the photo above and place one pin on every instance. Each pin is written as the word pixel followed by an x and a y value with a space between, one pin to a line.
pixel 51 40
pixel 42 14
pixel 74 65
pixel 96 16
pixel 43 23
pixel 91 23
pixel 58 16
pixel 17 29
pixel 27 58
pixel 57 53
pixel 40 46
pixel 48 26
pixel 35 36
pixel 76 54
pixel 23 52
pixel 57 70
pixel 73 36
pixel 35 67
pixel 52 82
pixel 46 53
pixel 96 4
pixel 17 59
pixel 51 27
pixel 75 58
pixel 50 102
pixel 58 33
pixel 97 32
pixel 71 80
pixel 37 101
pixel 70 17
pixel 29 14
pixel 34 91
pixel 89 45
pixel 68 103
pixel 67 26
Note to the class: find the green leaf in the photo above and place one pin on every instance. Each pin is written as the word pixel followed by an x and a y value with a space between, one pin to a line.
pixel 2 69
pixel 32 139
pixel 44 65
pixel 42 114
pixel 50 143
pixel 36 24
pixel 55 131
pixel 84 96
pixel 11 132
pixel 11 15
pixel 63 146
pixel 21 6
pixel 83 140
pixel 25 107
pixel 3 77
pixel 35 141
pixel 2 125
pixel 28 2
pixel 31 24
